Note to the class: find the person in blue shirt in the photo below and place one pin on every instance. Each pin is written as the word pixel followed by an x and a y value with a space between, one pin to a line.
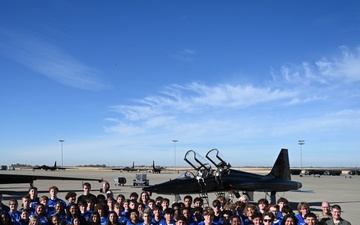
pixel 134 217
pixel 53 200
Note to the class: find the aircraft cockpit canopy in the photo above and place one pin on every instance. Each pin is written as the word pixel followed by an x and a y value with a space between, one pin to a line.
pixel 197 162
pixel 186 175
pixel 217 160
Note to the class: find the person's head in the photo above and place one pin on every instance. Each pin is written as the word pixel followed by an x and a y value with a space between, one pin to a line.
pixel 281 202
pixel 25 201
pixel 274 209
pixel 181 220
pixel 244 199
pixel 336 212
pixel 100 198
pixel 289 219
pixel 95 217
pixel 118 208
pixel 86 188
pixel 263 204
pixel 13 204
pixel 226 216
pixel 165 203
pixel 44 200
pixel 113 218
pixel 134 215
pixel 90 203
pixel 24 214
pixel 33 192
pixel 144 196
pixel 176 207
pixel 250 209
pixel 55 220
pixel 216 205
pixel 59 208
pixel 134 196
pixel 186 212
pixel 325 207
pixel 268 218
pixel 101 209
pixel 110 203
pixel 133 204
pixel 257 218
pixel 109 194
pixel 188 201
pixel 303 208
pixel 168 214
pixel 73 209
pixel 53 190
pixel 286 209
pixel 158 200
pixel 222 200
pixel 82 206
pixel 147 213
pixel 40 210
pixel 198 202
pixel 310 219
pixel 208 215
pixel 75 220
pixel 35 220
pixel 197 212
pixel 120 198
pixel 70 196
pixel 151 203
pixel 235 220
pixel 239 207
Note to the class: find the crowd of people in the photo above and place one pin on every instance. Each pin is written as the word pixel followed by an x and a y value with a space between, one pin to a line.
pixel 106 209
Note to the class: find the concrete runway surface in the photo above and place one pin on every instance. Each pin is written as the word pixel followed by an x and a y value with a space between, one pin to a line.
pixel 340 190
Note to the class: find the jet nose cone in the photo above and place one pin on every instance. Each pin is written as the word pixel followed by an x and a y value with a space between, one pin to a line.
pixel 299 185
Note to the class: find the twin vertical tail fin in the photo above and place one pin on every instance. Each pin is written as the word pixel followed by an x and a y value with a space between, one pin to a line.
pixel 281 168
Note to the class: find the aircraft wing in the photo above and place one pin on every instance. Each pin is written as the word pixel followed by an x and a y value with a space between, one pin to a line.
pixel 18 178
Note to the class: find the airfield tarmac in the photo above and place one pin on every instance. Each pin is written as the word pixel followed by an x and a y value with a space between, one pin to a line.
pixel 340 190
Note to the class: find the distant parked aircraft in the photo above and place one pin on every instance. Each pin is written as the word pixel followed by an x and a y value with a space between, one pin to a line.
pixel 127 168
pixel 157 169
pixel 45 167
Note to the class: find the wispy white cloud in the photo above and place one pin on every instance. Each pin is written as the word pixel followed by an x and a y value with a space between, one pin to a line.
pixel 244 110
pixel 49 60
pixel 185 55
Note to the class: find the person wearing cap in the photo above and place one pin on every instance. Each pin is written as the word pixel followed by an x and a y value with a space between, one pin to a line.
pixel 336 217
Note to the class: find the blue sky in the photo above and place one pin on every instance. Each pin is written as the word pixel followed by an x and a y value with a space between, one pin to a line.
pixel 119 80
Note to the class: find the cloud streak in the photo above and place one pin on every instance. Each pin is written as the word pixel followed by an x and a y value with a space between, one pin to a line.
pixel 243 110
pixel 50 61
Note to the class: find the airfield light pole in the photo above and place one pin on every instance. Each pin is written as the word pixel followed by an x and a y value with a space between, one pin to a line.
pixel 62 153
pixel 301 143
pixel 175 141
